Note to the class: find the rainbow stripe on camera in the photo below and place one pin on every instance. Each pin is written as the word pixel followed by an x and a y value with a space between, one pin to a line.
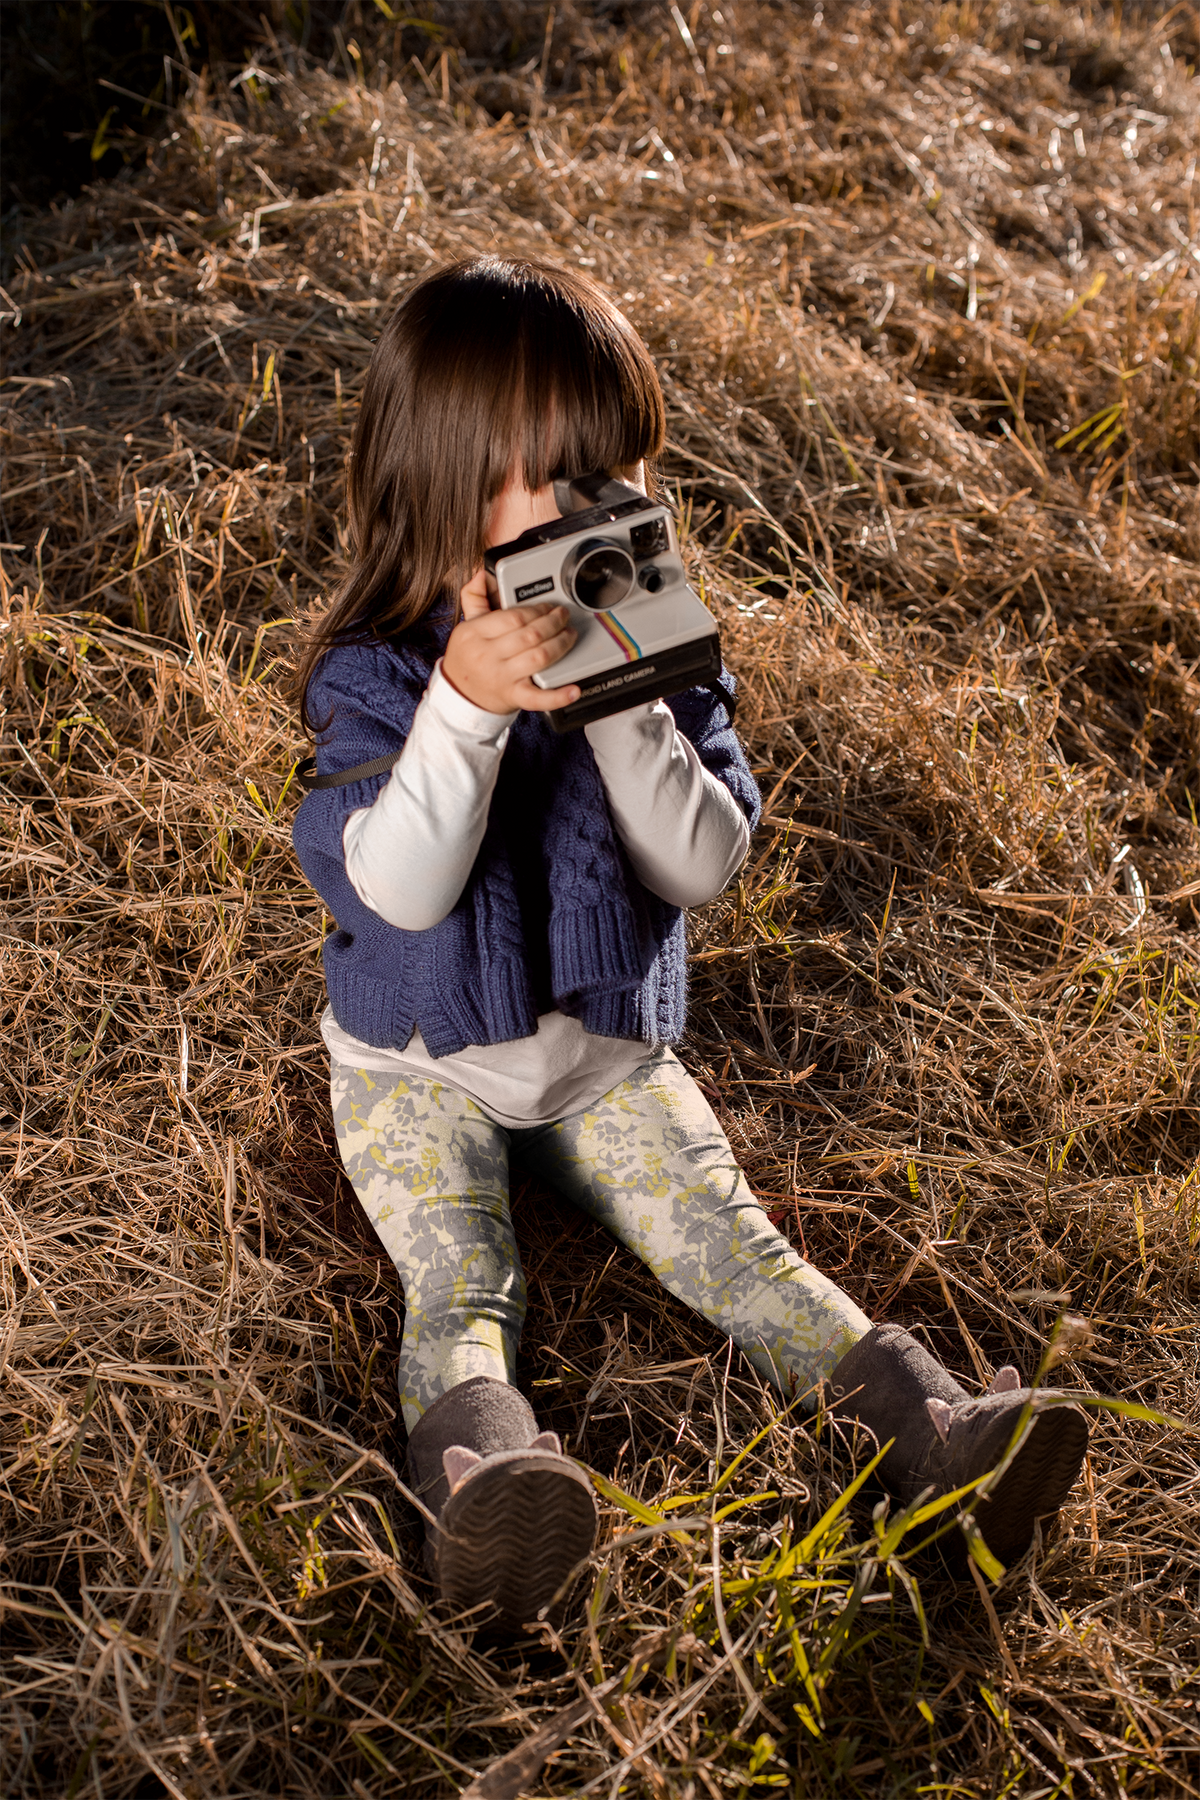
pixel 623 639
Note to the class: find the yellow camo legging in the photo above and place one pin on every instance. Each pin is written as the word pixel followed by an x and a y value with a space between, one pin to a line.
pixel 648 1161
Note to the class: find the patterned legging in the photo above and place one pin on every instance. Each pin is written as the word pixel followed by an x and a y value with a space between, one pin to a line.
pixel 648 1161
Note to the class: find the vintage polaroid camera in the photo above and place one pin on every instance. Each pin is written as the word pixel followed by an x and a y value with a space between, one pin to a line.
pixel 614 559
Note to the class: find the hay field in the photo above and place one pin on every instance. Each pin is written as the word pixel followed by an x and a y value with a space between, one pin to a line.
pixel 923 283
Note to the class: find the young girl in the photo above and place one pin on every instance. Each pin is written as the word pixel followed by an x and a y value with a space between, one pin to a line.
pixel 507 972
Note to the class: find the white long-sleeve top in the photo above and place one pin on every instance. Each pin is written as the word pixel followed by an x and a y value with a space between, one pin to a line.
pixel 409 856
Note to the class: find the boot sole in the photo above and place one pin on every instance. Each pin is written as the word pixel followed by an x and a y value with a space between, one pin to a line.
pixel 511 1536
pixel 1043 1473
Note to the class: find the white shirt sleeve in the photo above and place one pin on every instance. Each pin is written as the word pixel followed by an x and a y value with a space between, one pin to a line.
pixel 682 829
pixel 409 855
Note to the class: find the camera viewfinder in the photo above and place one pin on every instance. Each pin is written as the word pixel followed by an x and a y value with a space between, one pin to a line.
pixel 650 539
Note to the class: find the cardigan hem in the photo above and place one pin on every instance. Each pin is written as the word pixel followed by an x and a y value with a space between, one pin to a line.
pixel 598 950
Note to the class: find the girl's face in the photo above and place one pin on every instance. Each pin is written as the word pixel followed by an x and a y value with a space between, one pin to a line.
pixel 517 509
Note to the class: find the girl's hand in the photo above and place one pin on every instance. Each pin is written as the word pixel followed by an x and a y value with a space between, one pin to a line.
pixel 491 656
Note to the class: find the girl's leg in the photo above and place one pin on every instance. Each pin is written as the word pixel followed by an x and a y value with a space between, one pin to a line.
pixel 431 1171
pixel 650 1162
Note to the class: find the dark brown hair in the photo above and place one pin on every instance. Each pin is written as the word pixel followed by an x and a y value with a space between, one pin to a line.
pixel 484 367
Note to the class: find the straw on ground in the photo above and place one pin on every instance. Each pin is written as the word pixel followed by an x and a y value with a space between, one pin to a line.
pixel 923 283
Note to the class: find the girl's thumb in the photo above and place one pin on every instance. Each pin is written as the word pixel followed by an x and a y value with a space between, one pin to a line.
pixel 473 598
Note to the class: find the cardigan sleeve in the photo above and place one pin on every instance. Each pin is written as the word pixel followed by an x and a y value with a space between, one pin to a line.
pixel 362 700
pixel 705 717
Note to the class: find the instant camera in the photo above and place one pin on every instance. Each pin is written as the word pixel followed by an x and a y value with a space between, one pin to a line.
pixel 614 559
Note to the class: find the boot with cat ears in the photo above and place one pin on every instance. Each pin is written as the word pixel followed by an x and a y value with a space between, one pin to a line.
pixel 514 1516
pixel 945 1438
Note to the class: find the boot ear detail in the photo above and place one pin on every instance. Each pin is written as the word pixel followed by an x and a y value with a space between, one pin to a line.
pixel 458 1464
pixel 943 1438
pixel 548 1440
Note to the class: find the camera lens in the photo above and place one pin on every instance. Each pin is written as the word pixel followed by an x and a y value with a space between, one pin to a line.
pixel 602 575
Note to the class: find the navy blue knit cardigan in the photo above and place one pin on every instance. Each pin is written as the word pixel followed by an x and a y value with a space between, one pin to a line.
pixel 552 915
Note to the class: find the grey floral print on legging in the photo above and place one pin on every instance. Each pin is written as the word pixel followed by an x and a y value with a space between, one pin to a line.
pixel 649 1161
pixel 431 1171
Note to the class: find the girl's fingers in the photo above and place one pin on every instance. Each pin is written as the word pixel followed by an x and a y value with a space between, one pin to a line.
pixel 534 621
pixel 539 644
pixel 536 699
pixel 530 659
pixel 491 656
pixel 534 645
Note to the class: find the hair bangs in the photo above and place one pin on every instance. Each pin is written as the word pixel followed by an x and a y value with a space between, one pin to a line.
pixel 590 397
pixel 485 367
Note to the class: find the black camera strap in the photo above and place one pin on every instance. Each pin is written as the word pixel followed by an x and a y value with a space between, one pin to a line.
pixel 308 778
pixel 728 701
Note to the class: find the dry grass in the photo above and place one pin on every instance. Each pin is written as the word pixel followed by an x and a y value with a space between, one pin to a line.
pixel 923 282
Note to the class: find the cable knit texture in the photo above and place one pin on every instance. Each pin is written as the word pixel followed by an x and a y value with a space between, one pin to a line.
pixel 552 915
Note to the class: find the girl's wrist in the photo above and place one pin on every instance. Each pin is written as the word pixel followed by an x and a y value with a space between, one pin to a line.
pixel 459 710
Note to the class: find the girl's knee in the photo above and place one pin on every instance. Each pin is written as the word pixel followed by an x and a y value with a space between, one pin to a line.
pixel 444 1283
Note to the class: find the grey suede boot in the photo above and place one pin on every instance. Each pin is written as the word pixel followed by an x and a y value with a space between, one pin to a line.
pixel 514 1515
pixel 945 1438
